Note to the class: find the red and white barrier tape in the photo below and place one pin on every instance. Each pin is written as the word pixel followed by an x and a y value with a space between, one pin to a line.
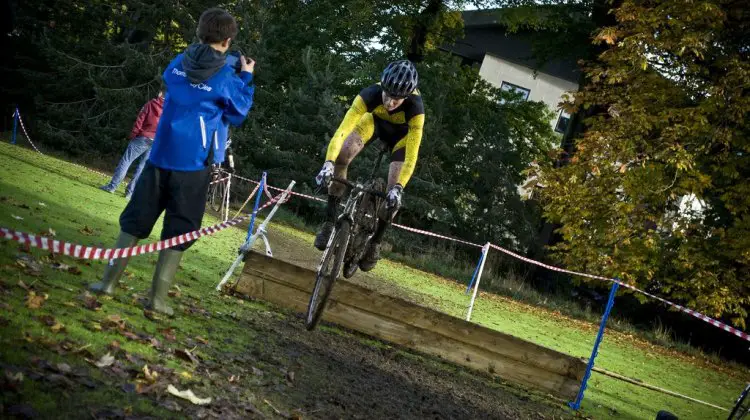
pixel 23 127
pixel 95 253
pixel 221 180
pixel 741 334
pixel 406 228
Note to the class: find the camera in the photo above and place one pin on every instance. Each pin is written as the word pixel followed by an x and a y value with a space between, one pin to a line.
pixel 234 60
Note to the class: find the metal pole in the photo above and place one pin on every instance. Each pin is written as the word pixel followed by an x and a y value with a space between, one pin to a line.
pixel 599 336
pixel 485 249
pixel 15 127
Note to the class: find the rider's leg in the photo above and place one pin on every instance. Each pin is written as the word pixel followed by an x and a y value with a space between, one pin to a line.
pixel 354 143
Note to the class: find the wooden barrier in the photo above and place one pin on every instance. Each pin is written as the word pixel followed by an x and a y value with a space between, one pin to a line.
pixel 416 327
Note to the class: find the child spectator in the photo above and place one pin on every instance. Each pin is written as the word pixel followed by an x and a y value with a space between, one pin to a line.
pixel 205 96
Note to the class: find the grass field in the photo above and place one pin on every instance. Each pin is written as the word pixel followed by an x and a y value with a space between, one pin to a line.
pixel 256 360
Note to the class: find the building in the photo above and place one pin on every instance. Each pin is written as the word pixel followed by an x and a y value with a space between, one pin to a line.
pixel 505 60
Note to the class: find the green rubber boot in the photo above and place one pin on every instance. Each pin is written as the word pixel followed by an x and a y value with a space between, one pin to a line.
pixel 115 268
pixel 169 262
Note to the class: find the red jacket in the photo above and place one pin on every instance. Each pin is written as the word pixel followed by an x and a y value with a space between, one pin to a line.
pixel 148 119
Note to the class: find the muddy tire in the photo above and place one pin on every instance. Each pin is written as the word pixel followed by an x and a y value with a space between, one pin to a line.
pixel 328 272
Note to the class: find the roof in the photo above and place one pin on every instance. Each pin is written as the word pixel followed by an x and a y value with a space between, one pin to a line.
pixel 485 34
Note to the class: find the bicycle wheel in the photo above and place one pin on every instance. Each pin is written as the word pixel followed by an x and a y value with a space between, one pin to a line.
pixel 328 272
pixel 742 406
pixel 217 196
pixel 365 221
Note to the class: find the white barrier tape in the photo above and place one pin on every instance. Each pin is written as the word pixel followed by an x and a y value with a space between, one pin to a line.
pixel 741 334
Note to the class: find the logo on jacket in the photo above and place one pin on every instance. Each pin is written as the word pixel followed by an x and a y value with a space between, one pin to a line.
pixel 202 86
pixel 179 73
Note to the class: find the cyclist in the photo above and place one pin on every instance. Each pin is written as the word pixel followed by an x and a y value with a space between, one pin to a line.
pixel 392 111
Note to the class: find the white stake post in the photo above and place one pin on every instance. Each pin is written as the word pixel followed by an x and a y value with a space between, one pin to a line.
pixel 485 249
pixel 260 232
pixel 226 198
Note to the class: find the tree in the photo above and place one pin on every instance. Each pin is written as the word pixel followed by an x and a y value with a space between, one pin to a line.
pixel 670 91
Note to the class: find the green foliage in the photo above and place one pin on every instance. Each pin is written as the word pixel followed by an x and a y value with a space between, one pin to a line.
pixel 674 79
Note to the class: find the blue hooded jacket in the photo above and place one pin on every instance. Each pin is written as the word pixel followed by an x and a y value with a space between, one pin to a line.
pixel 203 97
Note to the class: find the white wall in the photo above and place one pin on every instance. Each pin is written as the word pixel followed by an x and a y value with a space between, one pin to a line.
pixel 543 87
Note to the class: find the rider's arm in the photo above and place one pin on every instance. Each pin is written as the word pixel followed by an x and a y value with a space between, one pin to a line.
pixel 413 140
pixel 350 121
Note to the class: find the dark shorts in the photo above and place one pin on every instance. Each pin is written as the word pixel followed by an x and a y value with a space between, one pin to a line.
pixel 181 195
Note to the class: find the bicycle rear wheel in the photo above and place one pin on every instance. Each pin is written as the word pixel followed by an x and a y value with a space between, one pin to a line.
pixel 328 272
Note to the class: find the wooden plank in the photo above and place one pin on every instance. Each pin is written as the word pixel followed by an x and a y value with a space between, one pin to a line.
pixel 416 327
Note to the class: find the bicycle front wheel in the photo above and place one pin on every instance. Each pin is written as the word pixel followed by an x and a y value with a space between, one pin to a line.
pixel 328 272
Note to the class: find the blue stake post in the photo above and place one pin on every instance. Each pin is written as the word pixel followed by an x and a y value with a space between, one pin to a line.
pixel 474 276
pixel 599 336
pixel 15 127
pixel 255 209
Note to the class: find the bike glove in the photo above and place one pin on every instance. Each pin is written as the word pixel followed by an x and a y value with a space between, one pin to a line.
pixel 325 174
pixel 393 198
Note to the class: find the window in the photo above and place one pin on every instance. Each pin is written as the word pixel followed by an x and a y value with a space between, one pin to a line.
pixel 510 87
pixel 562 122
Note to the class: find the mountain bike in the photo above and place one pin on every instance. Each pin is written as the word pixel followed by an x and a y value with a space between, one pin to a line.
pixel 216 197
pixel 348 240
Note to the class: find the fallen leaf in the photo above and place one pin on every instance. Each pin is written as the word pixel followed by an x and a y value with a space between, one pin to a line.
pixel 114 345
pixel 91 302
pixel 186 375
pixel 48 320
pixel 155 343
pixel 14 377
pixel 23 285
pixel 186 355
pixel 168 334
pixel 143 388
pixel 151 315
pixel 43 205
pixel 201 340
pixel 57 327
pixel 290 376
pixel 87 231
pixel 233 379
pixel 59 266
pixel 105 361
pixel 34 301
pixel 16 217
pixel 188 395
pixel 150 376
pixel 130 335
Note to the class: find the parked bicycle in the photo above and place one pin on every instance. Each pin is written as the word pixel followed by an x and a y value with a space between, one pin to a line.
pixel 216 197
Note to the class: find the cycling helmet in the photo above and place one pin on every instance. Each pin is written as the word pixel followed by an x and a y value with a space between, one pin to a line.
pixel 399 79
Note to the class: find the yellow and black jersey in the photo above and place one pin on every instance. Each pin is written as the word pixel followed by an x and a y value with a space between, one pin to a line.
pixel 400 129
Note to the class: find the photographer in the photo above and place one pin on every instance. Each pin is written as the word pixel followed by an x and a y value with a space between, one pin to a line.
pixel 205 96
